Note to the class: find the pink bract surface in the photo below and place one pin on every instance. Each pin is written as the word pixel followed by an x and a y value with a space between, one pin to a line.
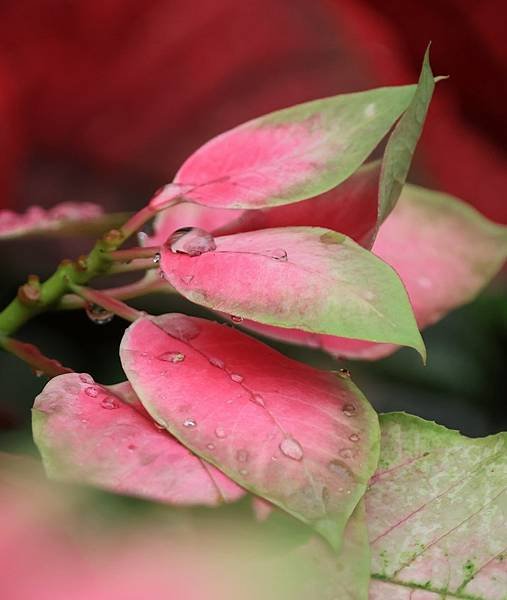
pixel 304 439
pixel 89 433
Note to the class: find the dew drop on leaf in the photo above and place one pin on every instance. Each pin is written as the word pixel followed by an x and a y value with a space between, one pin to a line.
pixel 192 241
pixel 142 236
pixel 236 377
pixel 345 373
pixel 210 446
pixel 97 314
pixel 156 258
pixel 216 362
pixel 349 410
pixel 258 399
pixel 220 433
pixel 242 455
pixel 172 357
pixel 189 423
pixel 354 437
pixel 109 403
pixel 279 254
pixel 91 391
pixel 291 448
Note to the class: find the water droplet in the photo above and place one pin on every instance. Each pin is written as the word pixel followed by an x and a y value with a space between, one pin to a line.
pixel 156 258
pixel 258 399
pixel 242 455
pixel 109 403
pixel 142 236
pixel 344 373
pixel 354 437
pixel 243 472
pixel 189 423
pixel 210 446
pixel 349 410
pixel 38 373
pixel 216 362
pixel 192 241
pixel 161 274
pixel 237 377
pixel 291 448
pixel 85 378
pixel 279 254
pixel 346 453
pixel 97 314
pixel 220 433
pixel 236 319
pixel 131 447
pixel 159 426
pixel 84 421
pixel 91 391
pixel 172 357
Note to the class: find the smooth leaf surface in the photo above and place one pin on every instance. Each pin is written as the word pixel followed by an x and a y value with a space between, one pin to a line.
pixel 351 208
pixel 437 509
pixel 298 277
pixel 64 218
pixel 304 439
pixel 289 155
pixel 401 145
pixel 444 251
pixel 87 433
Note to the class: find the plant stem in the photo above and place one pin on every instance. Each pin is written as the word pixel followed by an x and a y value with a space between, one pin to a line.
pixel 30 354
pixel 110 304
pixel 147 285
pixel 133 253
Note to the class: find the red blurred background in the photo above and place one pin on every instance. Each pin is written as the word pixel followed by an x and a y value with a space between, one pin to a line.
pixel 101 101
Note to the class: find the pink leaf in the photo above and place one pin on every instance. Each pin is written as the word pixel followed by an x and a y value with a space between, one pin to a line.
pixel 88 433
pixel 296 277
pixel 351 208
pixel 289 155
pixel 444 252
pixel 66 217
pixel 304 439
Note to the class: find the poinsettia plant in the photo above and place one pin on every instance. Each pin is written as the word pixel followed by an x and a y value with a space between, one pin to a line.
pixel 282 228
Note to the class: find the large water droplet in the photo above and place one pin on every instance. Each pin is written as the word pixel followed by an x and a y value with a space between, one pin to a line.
pixel 237 377
pixel 291 448
pixel 349 410
pixel 192 241
pixel 220 433
pixel 279 254
pixel 156 258
pixel 242 455
pixel 189 423
pixel 172 357
pixel 97 314
pixel 85 378
pixel 258 399
pixel 354 437
pixel 91 391
pixel 216 362
pixel 109 403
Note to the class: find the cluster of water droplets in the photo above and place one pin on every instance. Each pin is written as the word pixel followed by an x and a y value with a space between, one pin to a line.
pixel 94 391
